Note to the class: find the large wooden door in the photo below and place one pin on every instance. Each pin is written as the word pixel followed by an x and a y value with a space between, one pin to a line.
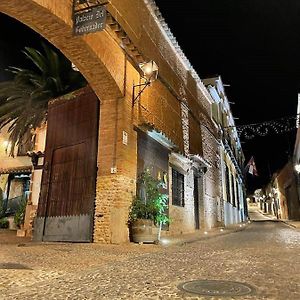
pixel 66 204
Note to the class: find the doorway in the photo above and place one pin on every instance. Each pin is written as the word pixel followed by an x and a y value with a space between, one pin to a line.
pixel 66 204
pixel 196 203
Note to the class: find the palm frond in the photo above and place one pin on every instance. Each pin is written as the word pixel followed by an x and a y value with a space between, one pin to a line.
pixel 37 58
pixel 24 100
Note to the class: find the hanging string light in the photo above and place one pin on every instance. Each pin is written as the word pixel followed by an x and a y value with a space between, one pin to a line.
pixel 277 126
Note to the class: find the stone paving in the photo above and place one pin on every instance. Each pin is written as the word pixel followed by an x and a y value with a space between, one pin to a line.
pixel 265 255
pixel 256 214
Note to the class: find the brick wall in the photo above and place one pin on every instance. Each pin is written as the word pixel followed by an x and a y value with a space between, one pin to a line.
pixel 212 194
pixel 111 73
pixel 114 196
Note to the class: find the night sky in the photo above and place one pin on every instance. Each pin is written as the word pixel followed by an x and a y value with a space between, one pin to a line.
pixel 254 45
pixel 11 47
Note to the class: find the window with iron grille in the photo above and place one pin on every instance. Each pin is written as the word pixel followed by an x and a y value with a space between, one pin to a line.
pixel 177 188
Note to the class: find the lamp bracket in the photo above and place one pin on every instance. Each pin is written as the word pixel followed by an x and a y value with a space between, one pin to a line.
pixel 144 85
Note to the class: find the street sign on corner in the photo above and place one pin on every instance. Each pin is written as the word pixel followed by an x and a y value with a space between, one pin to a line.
pixel 89 21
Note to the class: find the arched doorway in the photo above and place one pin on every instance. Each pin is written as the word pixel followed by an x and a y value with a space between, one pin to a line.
pixel 79 52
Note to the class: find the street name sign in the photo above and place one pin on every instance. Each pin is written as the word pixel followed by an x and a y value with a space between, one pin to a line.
pixel 89 21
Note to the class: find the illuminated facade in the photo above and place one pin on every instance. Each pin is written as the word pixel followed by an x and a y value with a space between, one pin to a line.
pixel 168 128
pixel 231 155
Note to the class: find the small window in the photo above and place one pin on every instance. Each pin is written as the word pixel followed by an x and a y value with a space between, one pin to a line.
pixel 177 188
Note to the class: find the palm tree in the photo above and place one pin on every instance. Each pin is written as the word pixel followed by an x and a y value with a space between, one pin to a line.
pixel 24 100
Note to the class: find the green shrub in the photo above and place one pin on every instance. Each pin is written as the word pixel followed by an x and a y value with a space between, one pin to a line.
pixel 4 223
pixel 1 204
pixel 20 213
pixel 150 204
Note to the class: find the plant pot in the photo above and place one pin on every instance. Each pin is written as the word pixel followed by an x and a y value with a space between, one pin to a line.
pixel 144 231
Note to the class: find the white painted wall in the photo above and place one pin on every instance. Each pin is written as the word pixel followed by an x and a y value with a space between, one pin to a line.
pixel 232 215
pixel 182 218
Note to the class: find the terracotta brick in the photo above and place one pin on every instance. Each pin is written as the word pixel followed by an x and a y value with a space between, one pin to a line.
pixel 111 74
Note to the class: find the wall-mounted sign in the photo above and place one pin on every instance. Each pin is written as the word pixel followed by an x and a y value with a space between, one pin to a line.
pixel 90 20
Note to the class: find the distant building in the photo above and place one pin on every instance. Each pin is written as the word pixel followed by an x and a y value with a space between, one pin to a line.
pixel 14 176
pixel 18 179
pixel 286 182
pixel 231 154
pixel 282 193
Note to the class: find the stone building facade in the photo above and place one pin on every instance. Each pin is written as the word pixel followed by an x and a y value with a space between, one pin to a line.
pixel 174 112
pixel 18 177
pixel 280 197
pixel 14 177
pixel 287 183
pixel 230 157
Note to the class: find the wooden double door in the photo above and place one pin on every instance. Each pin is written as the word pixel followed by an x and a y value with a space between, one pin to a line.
pixel 66 204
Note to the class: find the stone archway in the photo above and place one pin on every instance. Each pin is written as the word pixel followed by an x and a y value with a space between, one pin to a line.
pixel 58 32
pixel 101 61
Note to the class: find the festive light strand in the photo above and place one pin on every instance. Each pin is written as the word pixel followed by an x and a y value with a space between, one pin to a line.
pixel 277 126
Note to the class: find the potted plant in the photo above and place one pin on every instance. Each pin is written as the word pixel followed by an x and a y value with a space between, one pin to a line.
pixel 147 212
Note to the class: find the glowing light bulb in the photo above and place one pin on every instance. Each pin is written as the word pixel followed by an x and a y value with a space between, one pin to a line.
pixel 297 168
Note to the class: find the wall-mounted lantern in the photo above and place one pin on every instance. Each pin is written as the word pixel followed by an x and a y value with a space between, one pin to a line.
pixel 37 159
pixel 149 72
pixel 297 168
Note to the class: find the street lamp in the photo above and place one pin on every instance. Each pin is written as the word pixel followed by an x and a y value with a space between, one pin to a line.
pixel 37 159
pixel 149 72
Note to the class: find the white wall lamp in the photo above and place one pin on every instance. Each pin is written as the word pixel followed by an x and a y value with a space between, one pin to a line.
pixel 149 74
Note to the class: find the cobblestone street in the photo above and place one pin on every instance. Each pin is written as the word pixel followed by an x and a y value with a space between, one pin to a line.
pixel 265 255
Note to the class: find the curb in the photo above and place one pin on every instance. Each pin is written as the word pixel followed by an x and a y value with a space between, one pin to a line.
pixel 182 242
pixel 288 224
